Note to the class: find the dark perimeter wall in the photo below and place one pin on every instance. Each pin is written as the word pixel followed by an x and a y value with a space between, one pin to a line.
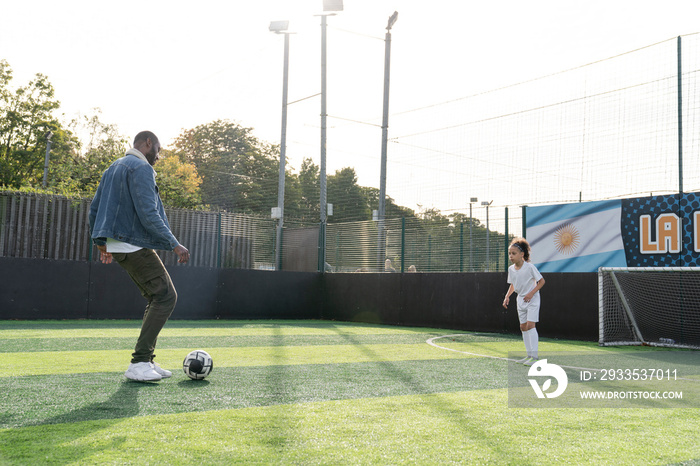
pixel 46 289
pixel 463 301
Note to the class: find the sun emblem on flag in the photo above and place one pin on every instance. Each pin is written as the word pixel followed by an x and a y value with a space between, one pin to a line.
pixel 566 239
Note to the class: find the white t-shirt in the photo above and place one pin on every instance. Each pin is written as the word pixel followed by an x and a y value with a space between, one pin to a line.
pixel 523 279
pixel 114 245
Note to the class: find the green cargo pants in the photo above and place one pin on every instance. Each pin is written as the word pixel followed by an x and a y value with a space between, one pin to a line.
pixel 148 272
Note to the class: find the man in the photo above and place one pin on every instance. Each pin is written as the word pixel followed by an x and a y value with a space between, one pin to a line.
pixel 127 222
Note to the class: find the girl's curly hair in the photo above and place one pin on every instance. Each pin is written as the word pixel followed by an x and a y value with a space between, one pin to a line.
pixel 523 245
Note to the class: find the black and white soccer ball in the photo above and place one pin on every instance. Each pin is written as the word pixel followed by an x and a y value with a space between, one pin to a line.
pixel 197 365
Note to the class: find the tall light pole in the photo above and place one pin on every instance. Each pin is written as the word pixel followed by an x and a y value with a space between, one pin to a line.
pixel 280 27
pixel 488 259
pixel 328 6
pixel 381 247
pixel 471 244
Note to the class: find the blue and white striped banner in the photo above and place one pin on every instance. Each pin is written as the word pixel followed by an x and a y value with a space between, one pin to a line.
pixel 576 237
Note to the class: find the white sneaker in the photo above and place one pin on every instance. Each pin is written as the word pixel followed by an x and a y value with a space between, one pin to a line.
pixel 164 373
pixel 142 372
pixel 522 361
pixel 530 361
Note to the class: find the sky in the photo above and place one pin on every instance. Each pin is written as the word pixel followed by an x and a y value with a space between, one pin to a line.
pixel 169 65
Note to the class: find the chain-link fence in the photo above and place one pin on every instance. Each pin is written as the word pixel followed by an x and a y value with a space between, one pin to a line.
pixel 55 227
pixel 414 245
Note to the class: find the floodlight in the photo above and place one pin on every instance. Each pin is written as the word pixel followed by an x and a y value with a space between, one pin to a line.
pixel 392 20
pixel 473 199
pixel 332 5
pixel 279 26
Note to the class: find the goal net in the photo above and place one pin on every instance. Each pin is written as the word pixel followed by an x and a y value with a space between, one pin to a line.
pixel 657 306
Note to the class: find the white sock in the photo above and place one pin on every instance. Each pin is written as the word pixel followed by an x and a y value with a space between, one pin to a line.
pixel 526 340
pixel 534 341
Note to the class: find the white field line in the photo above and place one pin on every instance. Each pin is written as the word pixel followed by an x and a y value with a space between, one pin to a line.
pixel 431 342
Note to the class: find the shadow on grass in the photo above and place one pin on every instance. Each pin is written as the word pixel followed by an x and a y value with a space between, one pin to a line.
pixel 455 415
pixel 275 388
pixel 190 384
pixel 56 440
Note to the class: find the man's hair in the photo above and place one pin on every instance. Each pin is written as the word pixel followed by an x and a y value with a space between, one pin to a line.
pixel 143 135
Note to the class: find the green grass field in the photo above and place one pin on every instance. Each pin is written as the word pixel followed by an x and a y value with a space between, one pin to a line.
pixel 312 392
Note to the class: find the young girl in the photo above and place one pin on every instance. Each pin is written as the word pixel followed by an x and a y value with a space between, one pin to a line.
pixel 526 280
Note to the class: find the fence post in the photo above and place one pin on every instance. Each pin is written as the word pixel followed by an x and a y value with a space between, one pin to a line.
pixel 461 247
pixel 218 241
pixel 505 262
pixel 280 265
pixel 321 247
pixel 337 250
pixel 430 252
pixel 680 119
pixel 403 244
pixel 3 210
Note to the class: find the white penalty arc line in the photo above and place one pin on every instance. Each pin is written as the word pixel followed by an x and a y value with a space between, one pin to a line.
pixel 431 342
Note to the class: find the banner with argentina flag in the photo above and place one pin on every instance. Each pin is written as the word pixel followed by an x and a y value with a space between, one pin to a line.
pixel 576 237
pixel 654 231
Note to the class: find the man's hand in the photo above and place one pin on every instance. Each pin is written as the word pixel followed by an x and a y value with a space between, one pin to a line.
pixel 105 256
pixel 506 300
pixel 182 253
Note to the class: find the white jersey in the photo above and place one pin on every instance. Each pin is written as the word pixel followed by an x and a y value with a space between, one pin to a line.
pixel 523 279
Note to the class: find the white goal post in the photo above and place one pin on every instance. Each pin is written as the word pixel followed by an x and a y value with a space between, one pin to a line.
pixel 656 306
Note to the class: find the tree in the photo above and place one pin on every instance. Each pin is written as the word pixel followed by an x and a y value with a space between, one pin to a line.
pixel 391 209
pixel 348 199
pixel 26 117
pixel 5 78
pixel 310 190
pixel 238 171
pixel 178 181
pixel 82 170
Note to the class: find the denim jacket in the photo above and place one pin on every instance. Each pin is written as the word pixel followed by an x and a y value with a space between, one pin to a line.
pixel 128 208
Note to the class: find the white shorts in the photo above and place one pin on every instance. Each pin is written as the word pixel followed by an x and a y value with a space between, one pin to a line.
pixel 529 312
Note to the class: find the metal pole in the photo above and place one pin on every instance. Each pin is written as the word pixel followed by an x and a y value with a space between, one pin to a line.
pixel 283 152
pixel 470 238
pixel 471 244
pixel 680 140
pixel 218 242
pixel 322 229
pixel 461 246
pixel 430 253
pixel 385 132
pixel 680 121
pixel 385 126
pixel 505 262
pixel 403 244
pixel 46 159
pixel 488 263
pixel 381 247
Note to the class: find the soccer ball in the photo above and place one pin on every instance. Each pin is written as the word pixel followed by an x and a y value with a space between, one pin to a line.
pixel 197 365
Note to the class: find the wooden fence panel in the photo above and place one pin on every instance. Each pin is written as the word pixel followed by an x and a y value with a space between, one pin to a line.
pixel 56 227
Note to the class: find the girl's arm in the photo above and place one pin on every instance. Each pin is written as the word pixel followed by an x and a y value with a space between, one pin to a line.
pixel 506 300
pixel 537 288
